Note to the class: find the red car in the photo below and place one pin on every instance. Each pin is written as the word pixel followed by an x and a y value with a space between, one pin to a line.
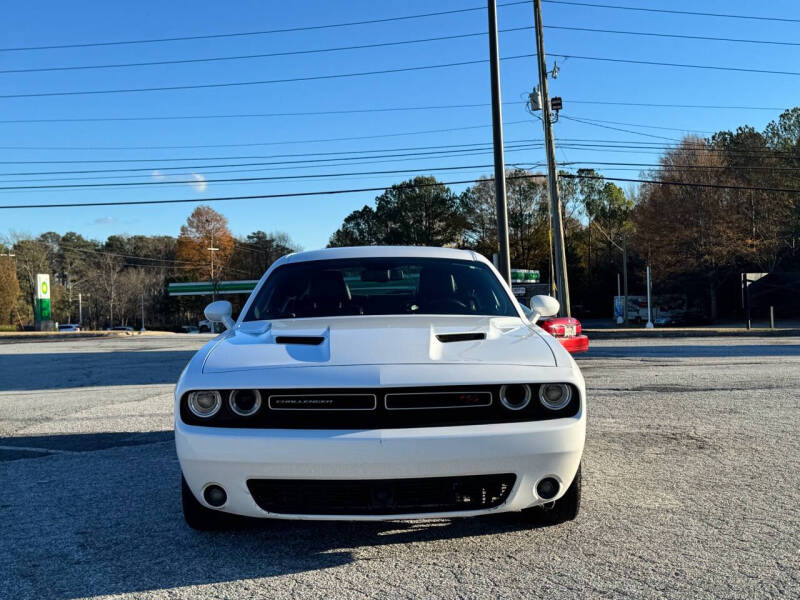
pixel 566 330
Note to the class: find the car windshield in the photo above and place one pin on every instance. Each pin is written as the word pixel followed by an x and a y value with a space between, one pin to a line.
pixel 381 286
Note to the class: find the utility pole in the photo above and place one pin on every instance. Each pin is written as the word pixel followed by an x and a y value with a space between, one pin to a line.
pixel 649 304
pixel 212 249
pixel 625 279
pixel 557 226
pixel 142 329
pixel 499 161
pixel 80 310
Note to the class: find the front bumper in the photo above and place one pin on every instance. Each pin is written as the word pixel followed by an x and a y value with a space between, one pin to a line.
pixel 530 450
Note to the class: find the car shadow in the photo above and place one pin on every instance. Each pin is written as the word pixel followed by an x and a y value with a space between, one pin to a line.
pixel 99 514
pixel 46 371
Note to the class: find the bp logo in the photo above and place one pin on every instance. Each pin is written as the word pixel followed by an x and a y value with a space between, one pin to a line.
pixel 44 288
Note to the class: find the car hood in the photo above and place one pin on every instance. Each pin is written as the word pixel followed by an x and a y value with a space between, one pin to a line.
pixel 378 340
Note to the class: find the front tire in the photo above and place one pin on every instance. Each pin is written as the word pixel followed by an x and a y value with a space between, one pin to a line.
pixel 199 517
pixel 564 509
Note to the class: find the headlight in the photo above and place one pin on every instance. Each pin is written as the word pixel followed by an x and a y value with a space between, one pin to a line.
pixel 554 396
pixel 205 404
pixel 515 396
pixel 245 402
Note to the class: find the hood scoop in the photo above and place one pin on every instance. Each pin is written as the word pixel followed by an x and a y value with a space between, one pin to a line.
pixel 446 338
pixel 384 340
pixel 302 340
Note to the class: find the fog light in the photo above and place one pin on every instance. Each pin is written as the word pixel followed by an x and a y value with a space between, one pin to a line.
pixel 215 495
pixel 547 488
pixel 245 402
pixel 515 396
pixel 205 404
pixel 554 396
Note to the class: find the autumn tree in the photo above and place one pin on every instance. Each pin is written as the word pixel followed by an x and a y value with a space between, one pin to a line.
pixel 749 164
pixel 205 228
pixel 9 288
pixel 684 226
pixel 31 258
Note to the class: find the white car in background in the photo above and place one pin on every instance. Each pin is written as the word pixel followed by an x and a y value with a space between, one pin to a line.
pixel 380 383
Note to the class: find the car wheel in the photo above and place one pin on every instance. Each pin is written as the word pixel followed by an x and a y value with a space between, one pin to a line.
pixel 198 516
pixel 562 510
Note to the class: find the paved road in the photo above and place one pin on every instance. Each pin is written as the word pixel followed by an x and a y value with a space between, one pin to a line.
pixel 692 489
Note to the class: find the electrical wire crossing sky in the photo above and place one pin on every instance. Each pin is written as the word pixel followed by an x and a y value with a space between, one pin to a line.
pixel 288 116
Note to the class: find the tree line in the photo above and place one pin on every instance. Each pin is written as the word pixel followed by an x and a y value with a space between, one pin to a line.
pixel 112 282
pixel 709 210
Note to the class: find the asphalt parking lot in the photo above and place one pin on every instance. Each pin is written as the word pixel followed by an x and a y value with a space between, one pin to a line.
pixel 691 489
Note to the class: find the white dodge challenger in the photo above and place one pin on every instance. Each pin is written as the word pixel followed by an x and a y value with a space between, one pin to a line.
pixel 380 383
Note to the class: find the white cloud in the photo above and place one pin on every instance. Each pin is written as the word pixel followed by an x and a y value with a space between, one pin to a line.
pixel 199 182
pixel 104 221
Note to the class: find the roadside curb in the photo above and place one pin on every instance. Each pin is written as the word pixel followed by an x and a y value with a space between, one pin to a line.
pixel 55 335
pixel 621 334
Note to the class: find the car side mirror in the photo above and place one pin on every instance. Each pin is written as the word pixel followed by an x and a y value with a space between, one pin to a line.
pixel 544 306
pixel 220 312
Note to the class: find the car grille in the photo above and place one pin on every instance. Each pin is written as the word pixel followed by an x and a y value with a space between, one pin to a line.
pixel 381 496
pixel 379 408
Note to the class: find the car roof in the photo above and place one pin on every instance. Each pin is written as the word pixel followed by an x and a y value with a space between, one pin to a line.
pixel 381 252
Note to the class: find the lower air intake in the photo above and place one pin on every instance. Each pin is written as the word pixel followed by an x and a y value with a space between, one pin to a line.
pixel 381 496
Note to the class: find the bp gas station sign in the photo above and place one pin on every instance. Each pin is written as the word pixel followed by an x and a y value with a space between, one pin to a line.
pixel 42 297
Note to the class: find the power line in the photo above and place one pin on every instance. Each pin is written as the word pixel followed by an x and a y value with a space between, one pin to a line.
pixel 383 45
pixel 97 251
pixel 253 115
pixel 232 198
pixel 203 86
pixel 643 125
pixel 278 143
pixel 264 166
pixel 255 33
pixel 250 144
pixel 251 56
pixel 244 179
pixel 383 172
pixel 381 189
pixel 366 156
pixel 391 71
pixel 631 61
pixel 718 186
pixel 172 264
pixel 659 150
pixel 312 158
pixel 588 122
pixel 669 167
pixel 661 105
pixel 373 110
pixel 672 35
pixel 674 12
pixel 348 157
pixel 313 164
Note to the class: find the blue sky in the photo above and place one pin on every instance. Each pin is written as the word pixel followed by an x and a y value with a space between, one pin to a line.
pixel 310 221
